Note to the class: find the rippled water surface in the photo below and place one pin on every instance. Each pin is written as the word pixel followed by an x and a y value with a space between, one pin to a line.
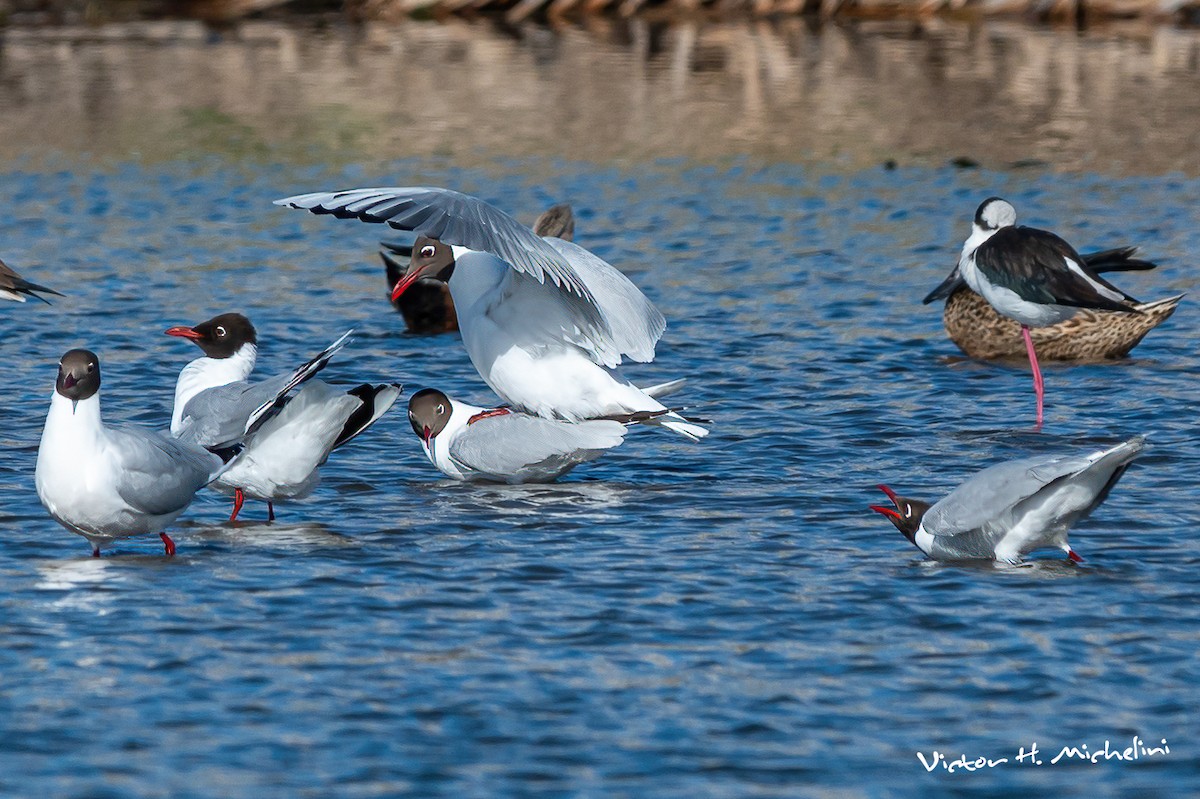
pixel 718 619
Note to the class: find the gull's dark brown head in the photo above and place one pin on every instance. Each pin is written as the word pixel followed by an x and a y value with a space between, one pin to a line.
pixel 78 375
pixel 429 412
pixel 430 258
pixel 906 514
pixel 219 337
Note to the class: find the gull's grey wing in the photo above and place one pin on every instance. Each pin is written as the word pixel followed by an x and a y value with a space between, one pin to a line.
pixel 159 474
pixel 15 287
pixel 987 494
pixel 453 218
pixel 299 376
pixel 532 315
pixel 557 220
pixel 635 324
pixel 504 445
pixel 224 415
pixel 374 402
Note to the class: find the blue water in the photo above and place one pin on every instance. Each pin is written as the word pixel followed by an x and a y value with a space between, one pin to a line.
pixel 724 619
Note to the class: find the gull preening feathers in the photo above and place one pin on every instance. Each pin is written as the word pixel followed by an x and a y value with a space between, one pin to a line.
pixel 290 422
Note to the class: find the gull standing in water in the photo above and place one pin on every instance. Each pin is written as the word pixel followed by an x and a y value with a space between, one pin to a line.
pixel 1032 276
pixel 106 483
pixel 1012 508
pixel 545 322
pixel 287 436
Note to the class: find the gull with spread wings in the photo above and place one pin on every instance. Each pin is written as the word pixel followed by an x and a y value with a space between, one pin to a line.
pixel 545 322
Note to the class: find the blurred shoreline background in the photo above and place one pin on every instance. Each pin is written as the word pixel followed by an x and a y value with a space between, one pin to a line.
pixel 555 12
pixel 1118 98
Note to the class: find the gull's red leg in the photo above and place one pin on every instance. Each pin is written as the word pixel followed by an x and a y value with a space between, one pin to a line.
pixel 238 499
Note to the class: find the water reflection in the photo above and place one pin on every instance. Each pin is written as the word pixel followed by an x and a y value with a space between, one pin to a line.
pixel 1118 99
pixel 64 575
pixel 278 535
pixel 84 583
pixel 576 500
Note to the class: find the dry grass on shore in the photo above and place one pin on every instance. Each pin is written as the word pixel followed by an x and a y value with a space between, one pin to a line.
pixel 1073 12
pixel 1061 11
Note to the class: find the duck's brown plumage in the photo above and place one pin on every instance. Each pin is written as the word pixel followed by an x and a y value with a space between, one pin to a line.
pixel 1090 335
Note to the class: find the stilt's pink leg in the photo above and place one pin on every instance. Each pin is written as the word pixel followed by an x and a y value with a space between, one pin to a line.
pixel 1038 385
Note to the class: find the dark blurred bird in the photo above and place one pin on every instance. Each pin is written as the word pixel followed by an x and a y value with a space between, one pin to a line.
pixel 15 287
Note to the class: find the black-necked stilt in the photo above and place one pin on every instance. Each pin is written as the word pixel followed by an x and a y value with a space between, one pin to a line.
pixel 1031 276
pixel 1091 335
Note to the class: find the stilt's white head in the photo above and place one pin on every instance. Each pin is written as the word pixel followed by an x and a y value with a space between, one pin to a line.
pixel 993 214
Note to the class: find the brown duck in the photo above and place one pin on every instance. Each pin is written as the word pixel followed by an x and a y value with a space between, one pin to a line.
pixel 1090 335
